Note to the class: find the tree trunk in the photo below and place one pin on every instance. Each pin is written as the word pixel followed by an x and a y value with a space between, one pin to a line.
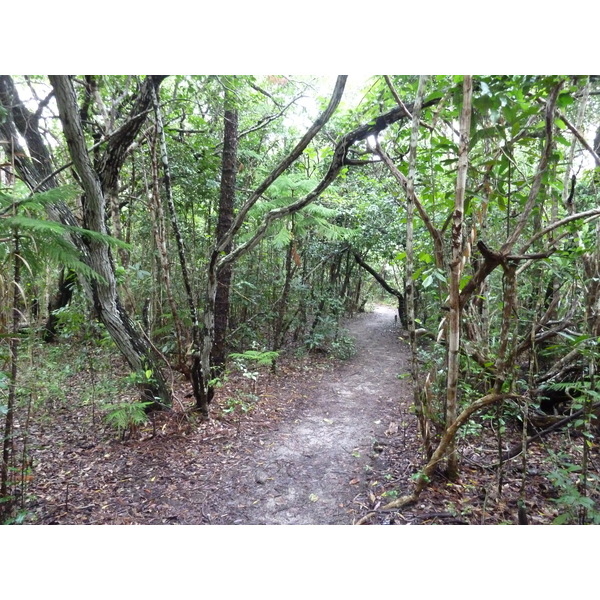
pixel 218 263
pixel 386 286
pixel 198 381
pixel 6 496
pixel 160 239
pixel 105 298
pixel 281 327
pixel 37 174
pixel 225 219
pixel 456 268
pixel 61 298
pixel 421 410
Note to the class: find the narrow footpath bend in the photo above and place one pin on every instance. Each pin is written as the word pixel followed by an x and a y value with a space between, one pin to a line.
pixel 311 470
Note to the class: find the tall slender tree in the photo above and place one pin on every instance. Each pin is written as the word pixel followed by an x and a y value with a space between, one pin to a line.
pixel 224 221
pixel 456 269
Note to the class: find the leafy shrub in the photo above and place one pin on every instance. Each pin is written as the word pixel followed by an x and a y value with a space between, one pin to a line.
pixel 571 501
pixel 126 418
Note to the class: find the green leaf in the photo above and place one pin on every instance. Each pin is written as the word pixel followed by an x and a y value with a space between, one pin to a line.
pixel 463 281
pixel 560 123
pixel 565 100
pixel 561 519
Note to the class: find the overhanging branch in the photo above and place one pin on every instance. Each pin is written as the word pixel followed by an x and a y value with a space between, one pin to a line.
pixel 339 160
pixel 380 280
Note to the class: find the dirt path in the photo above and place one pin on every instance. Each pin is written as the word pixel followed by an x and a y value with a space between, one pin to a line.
pixel 320 442
pixel 316 448
pixel 311 469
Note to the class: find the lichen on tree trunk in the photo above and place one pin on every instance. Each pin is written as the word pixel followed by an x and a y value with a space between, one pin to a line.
pixel 105 298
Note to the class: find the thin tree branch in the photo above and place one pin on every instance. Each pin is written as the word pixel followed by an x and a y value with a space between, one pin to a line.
pixel 265 93
pixel 541 169
pixel 266 120
pixel 579 136
pixel 401 104
pixel 382 282
pixel 516 450
pixel 284 164
pixel 436 236
pixel 588 215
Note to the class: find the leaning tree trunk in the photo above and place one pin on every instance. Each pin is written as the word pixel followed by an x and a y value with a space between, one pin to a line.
pixel 386 286
pixel 34 167
pixel 33 160
pixel 104 293
pixel 339 160
pixel 218 262
pixel 28 152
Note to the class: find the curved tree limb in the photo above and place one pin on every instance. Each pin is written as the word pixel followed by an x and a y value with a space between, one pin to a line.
pixel 587 214
pixel 440 452
pixel 220 258
pixel 436 236
pixel 339 160
pixel 284 164
pixel 380 280
pixel 385 285
pixel 579 137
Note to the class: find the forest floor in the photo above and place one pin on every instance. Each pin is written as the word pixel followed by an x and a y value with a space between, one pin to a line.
pixel 321 441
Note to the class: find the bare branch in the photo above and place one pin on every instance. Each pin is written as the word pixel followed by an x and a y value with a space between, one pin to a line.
pixel 266 120
pixel 588 215
pixel 265 93
pixel 382 282
pixel 580 137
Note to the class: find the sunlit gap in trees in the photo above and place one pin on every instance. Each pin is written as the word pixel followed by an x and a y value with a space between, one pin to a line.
pixel 318 92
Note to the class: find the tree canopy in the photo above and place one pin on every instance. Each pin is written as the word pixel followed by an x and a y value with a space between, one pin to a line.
pixel 192 217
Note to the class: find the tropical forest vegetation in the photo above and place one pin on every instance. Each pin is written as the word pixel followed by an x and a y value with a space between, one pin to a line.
pixel 184 261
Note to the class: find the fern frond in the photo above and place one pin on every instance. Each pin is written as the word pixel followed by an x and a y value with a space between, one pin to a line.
pixel 282 238
pixel 31 224
pixel 39 200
